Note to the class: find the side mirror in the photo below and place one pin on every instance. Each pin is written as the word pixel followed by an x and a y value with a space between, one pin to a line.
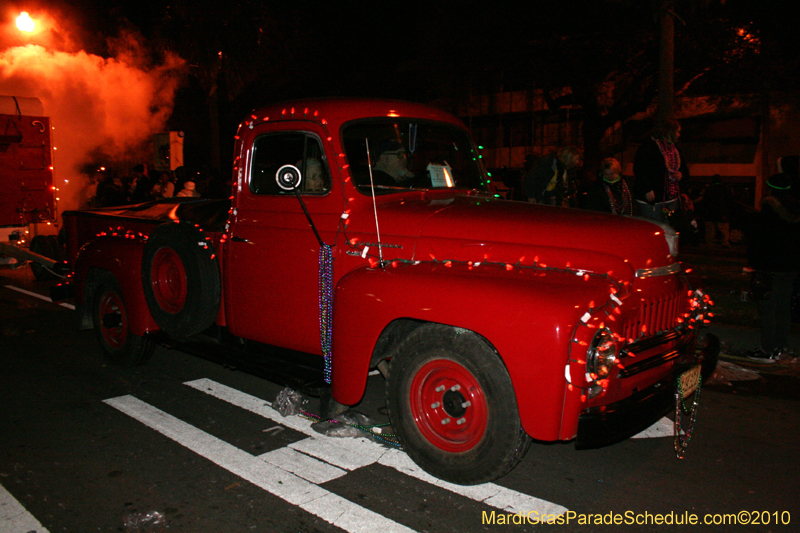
pixel 288 177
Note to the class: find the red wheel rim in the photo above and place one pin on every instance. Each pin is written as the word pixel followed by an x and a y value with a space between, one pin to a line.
pixel 448 406
pixel 169 280
pixel 113 320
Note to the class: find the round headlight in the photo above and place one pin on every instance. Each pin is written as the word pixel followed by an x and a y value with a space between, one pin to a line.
pixel 602 355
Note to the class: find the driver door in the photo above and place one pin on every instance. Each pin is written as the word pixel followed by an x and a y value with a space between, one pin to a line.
pixel 272 255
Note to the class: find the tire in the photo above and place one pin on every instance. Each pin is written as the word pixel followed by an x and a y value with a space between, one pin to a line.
pixel 59 251
pixel 43 245
pixel 452 405
pixel 110 318
pixel 181 280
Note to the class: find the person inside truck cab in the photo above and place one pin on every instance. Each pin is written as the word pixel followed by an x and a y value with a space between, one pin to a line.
pixel 315 176
pixel 390 166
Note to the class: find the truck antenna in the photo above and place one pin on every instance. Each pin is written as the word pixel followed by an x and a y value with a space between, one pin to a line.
pixel 374 205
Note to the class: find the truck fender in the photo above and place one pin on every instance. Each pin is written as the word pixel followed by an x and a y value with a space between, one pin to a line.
pixel 122 257
pixel 527 316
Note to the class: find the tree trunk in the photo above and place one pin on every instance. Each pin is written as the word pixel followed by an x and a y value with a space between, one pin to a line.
pixel 666 67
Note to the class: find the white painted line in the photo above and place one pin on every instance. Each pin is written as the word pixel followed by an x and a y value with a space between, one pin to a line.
pixel 362 451
pixel 489 493
pixel 285 485
pixel 341 452
pixel 349 454
pixel 14 518
pixel 663 428
pixel 302 465
pixel 37 295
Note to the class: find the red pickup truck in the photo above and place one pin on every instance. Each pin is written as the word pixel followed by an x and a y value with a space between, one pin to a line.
pixel 363 232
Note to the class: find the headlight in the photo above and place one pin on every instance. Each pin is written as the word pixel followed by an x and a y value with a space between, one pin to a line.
pixel 602 355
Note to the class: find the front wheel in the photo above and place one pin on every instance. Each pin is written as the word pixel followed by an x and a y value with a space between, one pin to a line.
pixel 452 404
pixel 110 318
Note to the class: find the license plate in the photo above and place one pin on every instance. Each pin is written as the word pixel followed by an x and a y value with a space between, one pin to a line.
pixel 690 380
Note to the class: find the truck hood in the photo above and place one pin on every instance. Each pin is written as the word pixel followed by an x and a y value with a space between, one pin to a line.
pixel 482 229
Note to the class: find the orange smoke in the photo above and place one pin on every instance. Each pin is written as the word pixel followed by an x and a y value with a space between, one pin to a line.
pixel 96 104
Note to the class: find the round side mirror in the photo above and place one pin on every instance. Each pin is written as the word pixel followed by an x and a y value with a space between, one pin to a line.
pixel 288 177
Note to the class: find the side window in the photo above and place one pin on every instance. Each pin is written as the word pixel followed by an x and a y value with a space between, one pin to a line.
pixel 272 151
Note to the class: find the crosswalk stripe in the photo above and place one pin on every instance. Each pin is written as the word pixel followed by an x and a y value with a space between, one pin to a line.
pixel 39 296
pixel 663 428
pixel 337 452
pixel 351 453
pixel 293 489
pixel 14 518
pixel 491 494
pixel 302 465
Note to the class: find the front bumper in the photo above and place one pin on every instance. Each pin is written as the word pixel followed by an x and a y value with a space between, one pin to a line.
pixel 608 424
pixel 604 425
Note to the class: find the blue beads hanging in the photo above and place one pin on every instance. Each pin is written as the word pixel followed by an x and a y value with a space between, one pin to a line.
pixel 326 305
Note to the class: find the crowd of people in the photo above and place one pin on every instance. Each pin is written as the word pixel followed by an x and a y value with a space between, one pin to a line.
pixel 657 190
pixel 142 185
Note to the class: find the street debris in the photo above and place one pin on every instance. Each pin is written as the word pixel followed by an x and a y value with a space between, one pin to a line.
pixel 152 522
pixel 727 372
pixel 289 402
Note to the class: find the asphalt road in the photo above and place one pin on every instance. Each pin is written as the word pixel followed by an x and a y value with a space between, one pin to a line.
pixel 184 444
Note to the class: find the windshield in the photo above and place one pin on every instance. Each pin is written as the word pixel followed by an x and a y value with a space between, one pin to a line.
pixel 408 153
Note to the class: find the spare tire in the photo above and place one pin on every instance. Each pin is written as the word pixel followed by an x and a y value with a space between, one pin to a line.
pixel 181 279
pixel 59 249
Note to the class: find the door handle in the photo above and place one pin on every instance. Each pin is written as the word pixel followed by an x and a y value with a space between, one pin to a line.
pixel 239 239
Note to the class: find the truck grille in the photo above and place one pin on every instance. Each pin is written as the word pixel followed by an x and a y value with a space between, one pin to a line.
pixel 656 315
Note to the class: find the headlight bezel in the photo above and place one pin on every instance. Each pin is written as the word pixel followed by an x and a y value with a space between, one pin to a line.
pixel 603 354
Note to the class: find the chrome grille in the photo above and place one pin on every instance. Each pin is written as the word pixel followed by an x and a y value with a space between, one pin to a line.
pixel 656 315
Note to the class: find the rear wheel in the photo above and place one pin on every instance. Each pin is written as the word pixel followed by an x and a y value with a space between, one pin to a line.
pixel 111 326
pixel 453 406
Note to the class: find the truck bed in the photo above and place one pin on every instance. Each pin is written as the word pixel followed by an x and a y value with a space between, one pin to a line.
pixel 83 226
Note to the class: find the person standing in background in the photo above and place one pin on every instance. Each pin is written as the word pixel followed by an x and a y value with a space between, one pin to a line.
pixel 551 180
pixel 658 170
pixel 773 252
pixel 610 193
